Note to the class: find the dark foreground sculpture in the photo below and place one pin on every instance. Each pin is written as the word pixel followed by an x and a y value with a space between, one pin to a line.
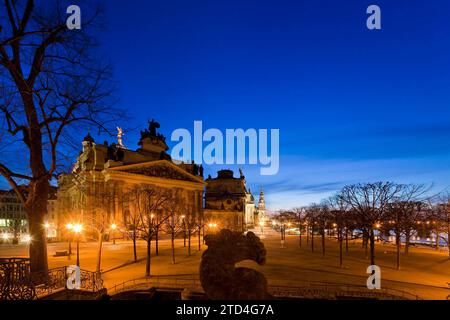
pixel 219 277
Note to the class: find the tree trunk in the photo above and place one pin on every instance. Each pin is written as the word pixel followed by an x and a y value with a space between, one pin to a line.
pixel 300 237
pixel 346 239
pixel 36 208
pixel 372 247
pixel 312 239
pixel 147 266
pixel 156 241
pixel 134 247
pixel 407 239
pixel 398 243
pixel 99 252
pixel 307 235
pixel 189 242
pixel 199 238
pixel 173 246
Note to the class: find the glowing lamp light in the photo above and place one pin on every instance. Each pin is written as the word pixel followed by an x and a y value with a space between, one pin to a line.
pixel 46 225
pixel 69 226
pixel 182 217
pixel 5 236
pixel 274 223
pixel 289 224
pixel 114 226
pixel 152 216
pixel 27 238
pixel 261 223
pixel 378 225
pixel 77 228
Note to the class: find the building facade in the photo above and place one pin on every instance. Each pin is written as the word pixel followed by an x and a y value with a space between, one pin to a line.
pixel 228 202
pixel 99 189
pixel 14 221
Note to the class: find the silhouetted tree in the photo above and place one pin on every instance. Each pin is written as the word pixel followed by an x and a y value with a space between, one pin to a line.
pixel 49 81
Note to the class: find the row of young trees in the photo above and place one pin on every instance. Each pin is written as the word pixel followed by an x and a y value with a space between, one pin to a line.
pixel 153 211
pixel 359 210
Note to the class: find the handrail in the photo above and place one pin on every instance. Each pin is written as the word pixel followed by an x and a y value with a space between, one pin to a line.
pixel 277 290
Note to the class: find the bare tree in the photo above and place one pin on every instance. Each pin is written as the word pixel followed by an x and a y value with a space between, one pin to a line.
pixel 174 223
pixel 49 81
pixel 338 212
pixel 299 216
pixel 150 201
pixel 312 216
pixel 370 202
pixel 133 219
pixel 441 219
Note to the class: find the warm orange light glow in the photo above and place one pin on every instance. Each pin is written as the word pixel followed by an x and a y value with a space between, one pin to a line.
pixel 46 225
pixel 69 226
pixel 114 226
pixel 77 228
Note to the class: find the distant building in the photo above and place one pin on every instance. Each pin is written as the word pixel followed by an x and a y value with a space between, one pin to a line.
pixel 13 217
pixel 261 209
pixel 228 202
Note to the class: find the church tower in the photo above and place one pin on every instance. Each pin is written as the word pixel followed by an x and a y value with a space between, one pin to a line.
pixel 262 208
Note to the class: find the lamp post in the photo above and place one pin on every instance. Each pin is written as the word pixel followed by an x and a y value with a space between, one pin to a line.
pixel 77 228
pixel 113 228
pixel 69 227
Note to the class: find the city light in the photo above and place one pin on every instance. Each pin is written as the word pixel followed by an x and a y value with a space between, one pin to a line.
pixel 27 238
pixel 69 226
pixel 77 228
pixel 46 225
pixel 5 236
pixel 114 226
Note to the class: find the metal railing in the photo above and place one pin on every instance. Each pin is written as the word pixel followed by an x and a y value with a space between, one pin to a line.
pixel 156 281
pixel 305 290
pixel 18 283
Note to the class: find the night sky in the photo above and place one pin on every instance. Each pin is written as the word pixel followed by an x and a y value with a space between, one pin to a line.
pixel 352 105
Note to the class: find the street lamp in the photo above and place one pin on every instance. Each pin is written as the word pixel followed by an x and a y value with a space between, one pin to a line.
pixel 113 227
pixel 77 228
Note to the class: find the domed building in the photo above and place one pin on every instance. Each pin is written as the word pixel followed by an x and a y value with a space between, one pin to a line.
pixel 99 185
pixel 228 202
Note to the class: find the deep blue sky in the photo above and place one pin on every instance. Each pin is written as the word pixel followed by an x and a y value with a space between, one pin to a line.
pixel 351 104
